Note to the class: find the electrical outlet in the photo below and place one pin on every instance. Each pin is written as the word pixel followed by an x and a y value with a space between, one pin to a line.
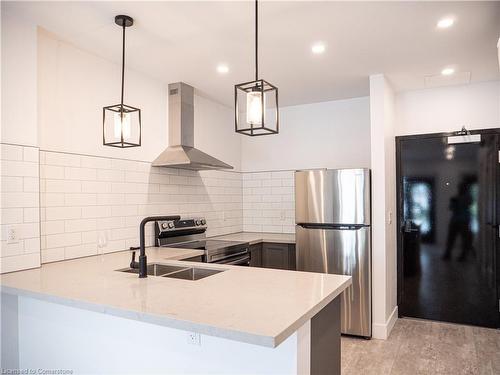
pixel 12 234
pixel 194 338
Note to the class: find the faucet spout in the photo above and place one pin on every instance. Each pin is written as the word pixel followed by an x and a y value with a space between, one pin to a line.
pixel 143 260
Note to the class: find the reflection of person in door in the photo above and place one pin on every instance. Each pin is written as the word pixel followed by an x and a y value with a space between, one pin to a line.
pixel 460 222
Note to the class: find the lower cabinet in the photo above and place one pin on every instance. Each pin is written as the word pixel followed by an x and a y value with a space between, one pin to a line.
pixel 278 255
pixel 256 255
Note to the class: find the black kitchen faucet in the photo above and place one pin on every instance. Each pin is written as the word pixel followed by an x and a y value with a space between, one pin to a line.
pixel 143 260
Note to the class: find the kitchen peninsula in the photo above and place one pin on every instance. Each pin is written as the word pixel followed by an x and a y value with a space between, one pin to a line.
pixel 240 320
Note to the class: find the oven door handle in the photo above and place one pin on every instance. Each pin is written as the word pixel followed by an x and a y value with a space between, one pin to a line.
pixel 216 259
pixel 235 262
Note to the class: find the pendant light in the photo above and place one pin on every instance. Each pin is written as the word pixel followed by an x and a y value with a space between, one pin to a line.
pixel 121 123
pixel 256 102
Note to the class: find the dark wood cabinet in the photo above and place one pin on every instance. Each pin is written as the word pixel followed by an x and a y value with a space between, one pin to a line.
pixel 256 255
pixel 278 255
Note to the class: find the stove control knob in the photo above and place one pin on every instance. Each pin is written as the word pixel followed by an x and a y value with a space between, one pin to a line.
pixel 170 225
pixel 164 225
pixel 198 222
pixel 203 221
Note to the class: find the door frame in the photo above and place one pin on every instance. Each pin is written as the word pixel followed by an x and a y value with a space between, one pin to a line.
pixel 399 207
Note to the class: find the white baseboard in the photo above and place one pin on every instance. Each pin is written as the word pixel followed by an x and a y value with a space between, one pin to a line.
pixel 382 331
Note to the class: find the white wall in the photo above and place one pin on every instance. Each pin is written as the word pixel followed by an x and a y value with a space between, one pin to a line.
pixel 73 87
pixel 19 84
pixel 384 283
pixel 333 134
pixel 446 109
pixel 52 96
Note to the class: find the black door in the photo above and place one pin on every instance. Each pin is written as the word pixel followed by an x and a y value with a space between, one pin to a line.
pixel 448 248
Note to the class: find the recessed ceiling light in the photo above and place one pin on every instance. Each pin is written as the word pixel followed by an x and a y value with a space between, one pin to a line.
pixel 446 22
pixel 318 48
pixel 447 71
pixel 222 68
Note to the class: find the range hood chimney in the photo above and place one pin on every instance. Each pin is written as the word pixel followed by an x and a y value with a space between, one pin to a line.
pixel 181 152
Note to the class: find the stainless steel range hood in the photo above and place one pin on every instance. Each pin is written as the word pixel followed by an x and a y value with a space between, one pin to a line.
pixel 181 152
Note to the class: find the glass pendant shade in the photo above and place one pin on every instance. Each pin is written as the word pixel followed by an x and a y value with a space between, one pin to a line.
pixel 256 108
pixel 122 126
pixel 121 123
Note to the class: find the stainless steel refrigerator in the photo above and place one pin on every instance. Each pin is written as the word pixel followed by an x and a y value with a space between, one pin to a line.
pixel 332 216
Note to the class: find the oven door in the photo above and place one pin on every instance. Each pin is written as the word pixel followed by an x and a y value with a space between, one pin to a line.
pixel 236 260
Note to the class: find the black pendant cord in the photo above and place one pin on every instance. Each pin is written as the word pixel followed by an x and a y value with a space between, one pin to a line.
pixel 123 67
pixel 256 40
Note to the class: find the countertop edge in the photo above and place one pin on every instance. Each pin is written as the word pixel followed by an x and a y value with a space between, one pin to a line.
pixel 311 313
pixel 225 333
pixel 234 335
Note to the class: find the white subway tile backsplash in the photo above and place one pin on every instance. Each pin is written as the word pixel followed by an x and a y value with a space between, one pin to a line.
pixel 268 201
pixel 19 208
pixel 19 262
pixel 80 251
pixel 12 249
pixel 95 211
pixel 31 184
pixel 83 174
pixel 252 183
pixel 110 175
pixel 52 227
pixel 63 240
pixel 80 225
pixel 62 186
pixel 19 199
pixel 52 255
pixel 11 152
pixel 62 213
pixel 30 154
pixel 96 187
pixel 95 162
pixel 32 245
pixel 19 168
pixel 52 199
pixel 31 215
pixel 92 205
pixel 63 159
pixel 80 199
pixel 11 215
pixel 271 182
pixel 12 184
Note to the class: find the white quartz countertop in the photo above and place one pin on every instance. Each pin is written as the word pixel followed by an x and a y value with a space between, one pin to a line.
pixel 253 305
pixel 255 237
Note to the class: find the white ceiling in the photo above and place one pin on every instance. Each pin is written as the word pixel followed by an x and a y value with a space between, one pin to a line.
pixel 184 41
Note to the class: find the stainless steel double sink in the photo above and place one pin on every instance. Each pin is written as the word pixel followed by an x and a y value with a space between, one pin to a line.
pixel 175 272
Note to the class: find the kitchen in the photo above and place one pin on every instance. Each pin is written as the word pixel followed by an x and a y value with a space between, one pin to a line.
pixel 68 201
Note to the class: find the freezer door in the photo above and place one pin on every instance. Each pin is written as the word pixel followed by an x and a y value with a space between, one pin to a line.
pixel 332 196
pixel 345 252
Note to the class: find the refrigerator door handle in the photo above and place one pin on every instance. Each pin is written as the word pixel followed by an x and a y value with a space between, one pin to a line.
pixel 334 226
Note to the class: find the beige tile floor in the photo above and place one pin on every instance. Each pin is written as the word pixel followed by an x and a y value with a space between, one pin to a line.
pixel 424 347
